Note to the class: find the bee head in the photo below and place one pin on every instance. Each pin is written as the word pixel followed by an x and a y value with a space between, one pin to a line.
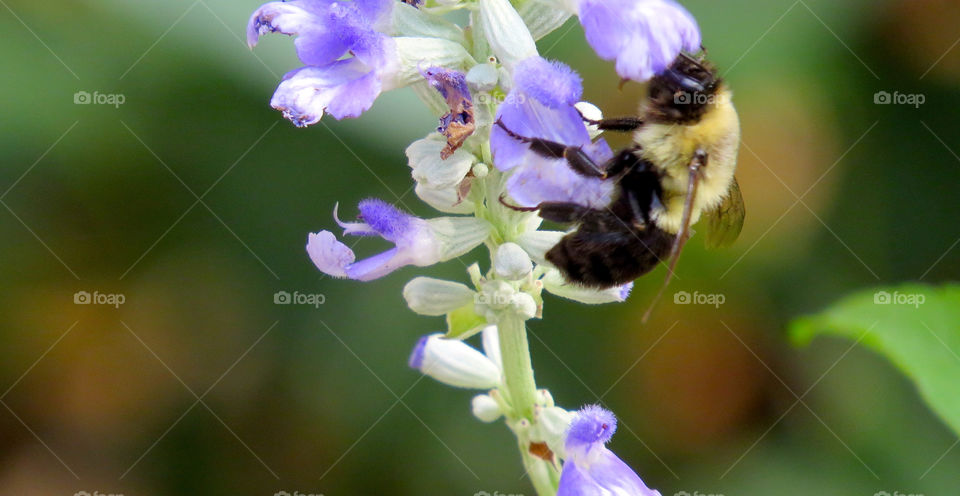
pixel 684 90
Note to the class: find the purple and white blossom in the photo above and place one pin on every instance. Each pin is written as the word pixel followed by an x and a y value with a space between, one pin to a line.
pixel 416 241
pixel 327 31
pixel 643 36
pixel 592 469
pixel 541 105
pixel 454 362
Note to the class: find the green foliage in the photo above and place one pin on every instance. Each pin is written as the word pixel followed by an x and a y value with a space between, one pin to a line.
pixel 916 326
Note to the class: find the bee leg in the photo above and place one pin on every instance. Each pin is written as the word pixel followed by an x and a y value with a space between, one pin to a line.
pixel 579 161
pixel 565 212
pixel 623 124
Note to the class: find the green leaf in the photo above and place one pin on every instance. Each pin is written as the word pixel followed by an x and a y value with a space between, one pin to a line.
pixel 464 322
pixel 916 326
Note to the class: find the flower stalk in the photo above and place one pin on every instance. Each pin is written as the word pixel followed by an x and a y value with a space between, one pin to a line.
pixel 480 79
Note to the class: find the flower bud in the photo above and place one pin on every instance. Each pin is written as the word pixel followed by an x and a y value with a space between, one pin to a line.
pixel 431 171
pixel 485 408
pixel 592 112
pixel 505 30
pixel 538 243
pixel 483 77
pixel 511 262
pixel 554 282
pixel 435 297
pixel 454 362
pixel 444 200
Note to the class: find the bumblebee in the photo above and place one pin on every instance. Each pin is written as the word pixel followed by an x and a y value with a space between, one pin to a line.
pixel 679 169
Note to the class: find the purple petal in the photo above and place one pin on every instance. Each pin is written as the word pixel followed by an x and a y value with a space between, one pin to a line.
pixel 344 89
pixel 526 116
pixel 625 291
pixel 384 218
pixel 416 356
pixel 590 468
pixel 329 255
pixel 606 474
pixel 552 83
pixel 592 425
pixel 644 36
pixel 376 266
pixel 290 18
pixel 544 180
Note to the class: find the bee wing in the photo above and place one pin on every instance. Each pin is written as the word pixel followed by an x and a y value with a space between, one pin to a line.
pixel 725 222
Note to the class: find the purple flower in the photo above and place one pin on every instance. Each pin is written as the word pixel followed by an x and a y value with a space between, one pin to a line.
pixel 644 36
pixel 592 469
pixel 416 241
pixel 457 124
pixel 455 363
pixel 541 105
pixel 326 31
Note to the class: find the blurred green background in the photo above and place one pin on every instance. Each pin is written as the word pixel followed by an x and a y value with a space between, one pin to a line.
pixel 841 194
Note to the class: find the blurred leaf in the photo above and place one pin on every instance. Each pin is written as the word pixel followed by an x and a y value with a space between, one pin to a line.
pixel 916 326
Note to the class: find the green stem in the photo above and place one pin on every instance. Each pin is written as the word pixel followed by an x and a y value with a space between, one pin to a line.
pixel 517 369
pixel 520 388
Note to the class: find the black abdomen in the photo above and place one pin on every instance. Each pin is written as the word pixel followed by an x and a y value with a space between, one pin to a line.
pixel 609 258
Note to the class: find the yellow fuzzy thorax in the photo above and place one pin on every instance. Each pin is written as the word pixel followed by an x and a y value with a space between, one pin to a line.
pixel 670 148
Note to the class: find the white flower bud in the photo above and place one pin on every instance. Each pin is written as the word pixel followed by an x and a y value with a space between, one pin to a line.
pixel 454 362
pixel 435 297
pixel 483 77
pixel 592 112
pixel 494 295
pixel 485 408
pixel 491 344
pixel 554 282
pixel 458 235
pixel 480 170
pixel 538 243
pixel 511 262
pixel 434 172
pixel 444 200
pixel 524 305
pixel 414 53
pixel 505 30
